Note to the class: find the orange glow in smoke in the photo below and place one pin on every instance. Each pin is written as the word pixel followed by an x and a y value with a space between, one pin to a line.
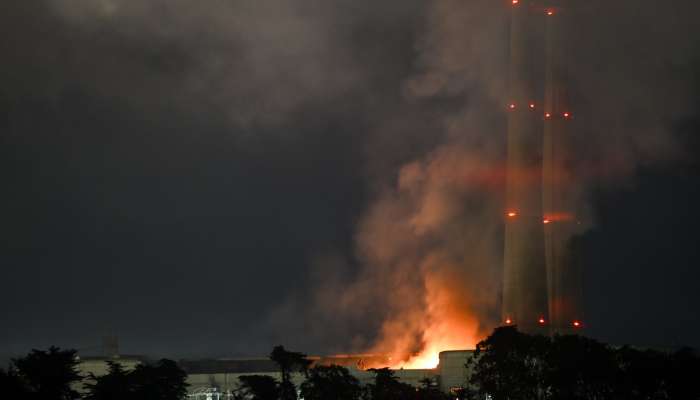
pixel 442 336
pixel 447 324
pixel 557 217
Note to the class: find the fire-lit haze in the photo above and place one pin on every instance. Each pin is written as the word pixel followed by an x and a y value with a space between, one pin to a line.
pixel 212 178
pixel 430 246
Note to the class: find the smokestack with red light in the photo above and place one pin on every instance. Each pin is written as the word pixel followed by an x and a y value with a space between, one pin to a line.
pixel 524 285
pixel 560 222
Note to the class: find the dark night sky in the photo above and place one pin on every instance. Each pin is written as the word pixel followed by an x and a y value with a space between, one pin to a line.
pixel 172 169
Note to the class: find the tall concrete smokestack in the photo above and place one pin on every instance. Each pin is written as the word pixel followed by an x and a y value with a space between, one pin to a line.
pixel 524 285
pixel 560 222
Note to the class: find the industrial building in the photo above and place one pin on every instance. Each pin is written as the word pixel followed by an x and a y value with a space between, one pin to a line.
pixel 211 376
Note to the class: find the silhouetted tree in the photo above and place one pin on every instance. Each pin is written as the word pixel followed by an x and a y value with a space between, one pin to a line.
pixel 163 381
pixel 683 372
pixel 11 385
pixel 330 383
pixel 386 386
pixel 579 368
pixel 466 393
pixel 117 384
pixel 641 374
pixel 510 365
pixel 428 390
pixel 288 362
pixel 49 375
pixel 258 387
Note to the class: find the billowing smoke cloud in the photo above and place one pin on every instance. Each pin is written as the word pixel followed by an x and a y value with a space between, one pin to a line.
pixel 430 246
pixel 420 86
pixel 253 62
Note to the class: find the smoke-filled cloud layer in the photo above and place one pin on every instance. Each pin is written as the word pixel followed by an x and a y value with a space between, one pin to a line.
pixel 235 173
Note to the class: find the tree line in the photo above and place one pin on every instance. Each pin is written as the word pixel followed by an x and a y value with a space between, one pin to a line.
pixel 54 375
pixel 329 382
pixel 511 365
pixel 508 365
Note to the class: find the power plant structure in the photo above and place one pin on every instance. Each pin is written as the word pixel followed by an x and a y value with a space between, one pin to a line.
pixel 541 281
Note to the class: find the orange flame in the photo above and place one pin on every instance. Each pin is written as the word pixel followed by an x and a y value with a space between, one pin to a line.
pixel 447 323
pixel 435 293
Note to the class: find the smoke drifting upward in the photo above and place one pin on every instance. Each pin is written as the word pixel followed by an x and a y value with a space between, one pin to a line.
pixel 431 244
pixel 318 115
pixel 430 247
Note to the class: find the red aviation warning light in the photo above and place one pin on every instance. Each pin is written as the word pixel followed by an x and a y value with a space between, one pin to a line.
pixel 509 321
pixel 546 221
pixel 547 115
pixel 515 2
pixel 550 12
pixel 532 106
pixel 541 321
pixel 511 106
pixel 512 214
pixel 567 115
pixel 576 324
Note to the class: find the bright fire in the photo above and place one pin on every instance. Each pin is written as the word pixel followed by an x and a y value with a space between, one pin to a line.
pixel 429 358
pixel 446 323
pixel 428 259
